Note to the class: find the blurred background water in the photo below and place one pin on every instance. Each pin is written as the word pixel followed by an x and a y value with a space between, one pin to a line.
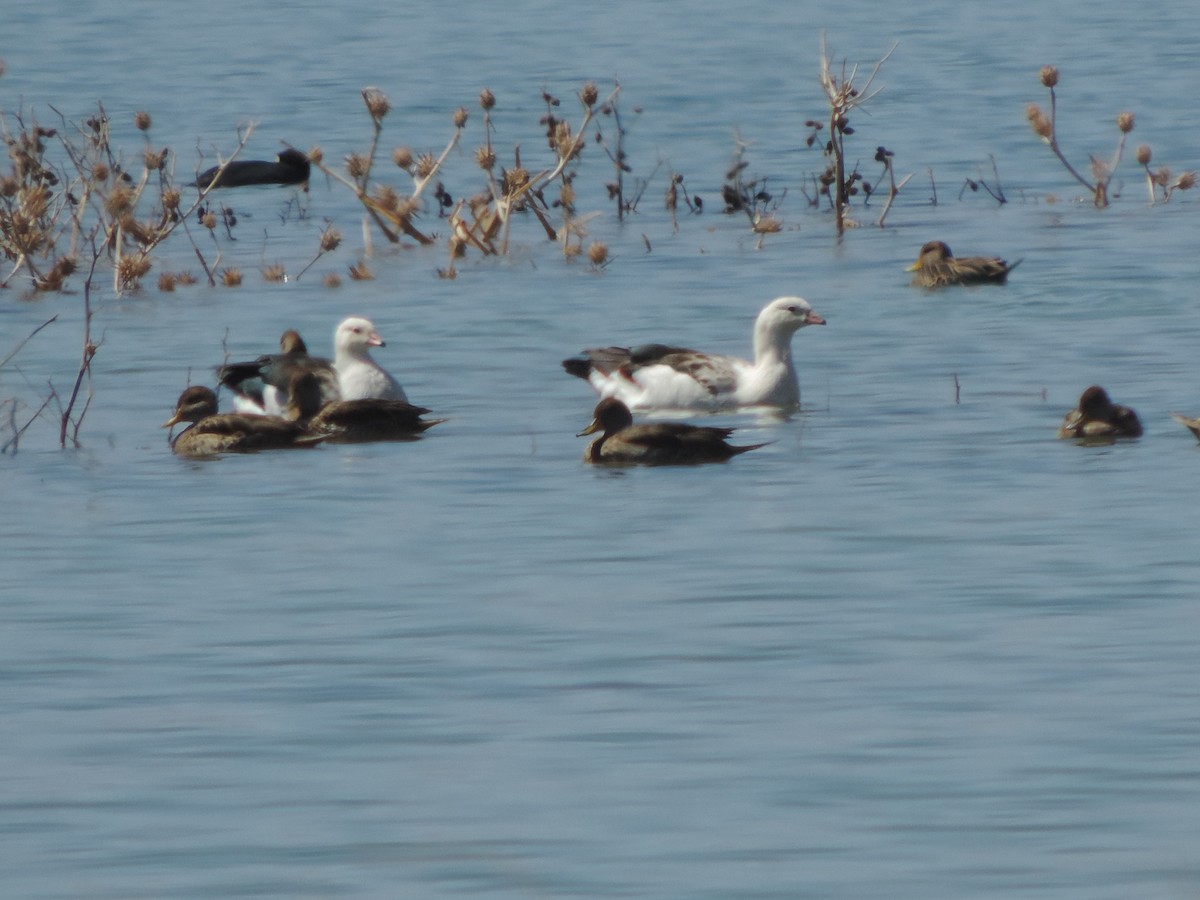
pixel 914 647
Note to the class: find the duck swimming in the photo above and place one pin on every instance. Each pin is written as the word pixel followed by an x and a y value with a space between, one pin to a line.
pixel 211 433
pixel 1097 417
pixel 657 376
pixel 353 421
pixel 260 387
pixel 936 266
pixel 656 444
pixel 290 167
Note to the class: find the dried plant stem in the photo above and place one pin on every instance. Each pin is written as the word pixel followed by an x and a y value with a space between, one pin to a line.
pixel 85 364
pixel 25 340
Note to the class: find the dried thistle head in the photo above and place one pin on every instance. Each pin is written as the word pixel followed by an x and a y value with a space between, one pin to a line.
pixel 460 117
pixel 131 269
pixel 209 220
pixel 357 165
pixel 166 282
pixel 1041 125
pixel 359 271
pixel 316 155
pixel 598 254
pixel 377 103
pixel 330 239
pixel 1186 181
pixel 1125 122
pixel 514 179
pixel 403 158
pixel 100 172
pixel 487 99
pixel 1143 154
pixel 332 280
pixel 563 144
pixel 153 161
pixel 185 277
pixel 275 274
pixel 485 158
pixel 231 277
pixel 589 95
pixel 387 198
pixel 426 165
pixel 142 120
pixel 171 199
pixel 119 201
pixel 1049 76
pixel 9 186
pixel 1162 176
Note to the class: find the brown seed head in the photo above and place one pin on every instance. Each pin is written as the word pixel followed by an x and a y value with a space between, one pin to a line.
pixel 426 165
pixel 153 161
pixel 359 272
pixel 403 158
pixel 1143 154
pixel 589 95
pixel 514 179
pixel 131 268
pixel 1125 122
pixel 1049 76
pixel 1186 181
pixel 377 103
pixel 356 165
pixel 209 220
pixel 387 198
pixel 597 253
pixel 485 158
pixel 166 282
pixel 185 277
pixel 232 277
pixel 142 120
pixel 9 187
pixel 170 199
pixel 100 172
pixel 1041 125
pixel 316 155
pixel 460 117
pixel 119 201
pixel 330 239
pixel 487 99
pixel 275 273
pixel 332 280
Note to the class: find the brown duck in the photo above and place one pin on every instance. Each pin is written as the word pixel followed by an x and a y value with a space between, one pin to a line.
pixel 261 386
pixel 353 421
pixel 656 444
pixel 936 266
pixel 211 433
pixel 1098 418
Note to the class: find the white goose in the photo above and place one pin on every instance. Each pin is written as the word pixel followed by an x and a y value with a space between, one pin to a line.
pixel 359 376
pixel 655 376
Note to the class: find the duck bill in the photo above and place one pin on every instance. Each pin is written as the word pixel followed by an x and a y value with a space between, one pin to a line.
pixel 174 420
pixel 591 429
pixel 374 340
pixel 913 267
pixel 814 319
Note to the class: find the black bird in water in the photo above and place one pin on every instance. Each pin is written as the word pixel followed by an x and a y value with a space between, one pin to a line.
pixel 290 167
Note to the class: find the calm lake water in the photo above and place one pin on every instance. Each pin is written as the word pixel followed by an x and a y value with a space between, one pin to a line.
pixel 915 647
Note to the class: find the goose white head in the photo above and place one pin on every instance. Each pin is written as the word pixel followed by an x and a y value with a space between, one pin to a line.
pixel 359 376
pixel 354 336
